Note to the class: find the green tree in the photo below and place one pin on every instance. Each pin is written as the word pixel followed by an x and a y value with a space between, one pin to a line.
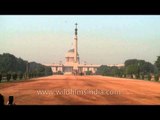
pixel 9 63
pixel 12 64
pixel 48 71
pixel 142 76
pixel 102 70
pixel 149 77
pixel 137 76
pixel 157 63
pixel 156 77
pixel 20 75
pixel 113 71
pixel 110 71
pixel 81 73
pixel 137 67
pixel 30 75
pixel 147 68
pixel 122 72
pixel 14 75
pixel 39 70
pixel 59 73
pixel 132 69
pixel 0 77
pixel 8 76
pixel 88 72
pixel 130 62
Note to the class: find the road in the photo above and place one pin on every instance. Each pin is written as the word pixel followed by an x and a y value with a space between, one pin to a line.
pixel 82 90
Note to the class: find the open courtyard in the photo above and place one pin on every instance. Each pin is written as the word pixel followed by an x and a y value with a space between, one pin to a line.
pixel 82 90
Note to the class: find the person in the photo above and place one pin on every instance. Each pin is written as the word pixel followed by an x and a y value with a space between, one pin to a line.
pixel 1 100
pixel 10 100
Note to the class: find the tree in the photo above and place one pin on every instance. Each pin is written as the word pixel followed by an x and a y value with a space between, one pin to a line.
pixel 138 67
pixel 132 69
pixel 156 77
pixel 137 76
pixel 147 68
pixel 48 71
pixel 59 73
pixel 157 63
pixel 14 75
pixel 8 76
pixel 12 64
pixel 88 72
pixel 142 76
pixel 20 75
pixel 30 75
pixel 0 77
pixel 81 73
pixel 9 62
pixel 110 71
pixel 130 62
pixel 39 70
pixel 102 70
pixel 124 75
pixel 149 77
pixel 122 72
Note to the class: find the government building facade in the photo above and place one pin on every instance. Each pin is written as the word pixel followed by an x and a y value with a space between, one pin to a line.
pixel 72 63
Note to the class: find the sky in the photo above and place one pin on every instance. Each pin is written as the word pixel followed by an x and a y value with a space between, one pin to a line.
pixel 102 39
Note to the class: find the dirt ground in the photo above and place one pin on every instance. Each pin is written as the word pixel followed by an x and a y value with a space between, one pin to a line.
pixel 82 90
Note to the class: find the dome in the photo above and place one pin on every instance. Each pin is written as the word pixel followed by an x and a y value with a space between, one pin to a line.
pixel 71 50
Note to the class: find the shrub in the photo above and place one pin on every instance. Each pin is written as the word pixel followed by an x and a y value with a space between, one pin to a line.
pixel 8 77
pixel 60 73
pixel 81 74
pixel 131 76
pixel 0 78
pixel 20 75
pixel 137 76
pixel 142 76
pixel 120 75
pixel 149 77
pixel 156 77
pixel 30 75
pixel 14 76
pixel 88 72
pixel 34 75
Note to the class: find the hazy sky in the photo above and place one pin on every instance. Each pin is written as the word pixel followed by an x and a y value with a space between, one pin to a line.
pixel 107 39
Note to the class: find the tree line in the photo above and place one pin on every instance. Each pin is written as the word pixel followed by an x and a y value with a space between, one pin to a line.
pixel 15 68
pixel 133 68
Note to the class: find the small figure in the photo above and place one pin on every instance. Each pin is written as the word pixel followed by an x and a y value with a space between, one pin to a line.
pixel 11 101
pixel 1 100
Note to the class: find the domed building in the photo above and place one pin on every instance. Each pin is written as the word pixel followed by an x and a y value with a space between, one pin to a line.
pixel 70 56
pixel 72 63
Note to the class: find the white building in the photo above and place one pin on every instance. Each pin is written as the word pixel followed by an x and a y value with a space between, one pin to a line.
pixel 72 63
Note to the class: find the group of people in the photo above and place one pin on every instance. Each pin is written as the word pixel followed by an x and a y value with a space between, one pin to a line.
pixel 9 102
